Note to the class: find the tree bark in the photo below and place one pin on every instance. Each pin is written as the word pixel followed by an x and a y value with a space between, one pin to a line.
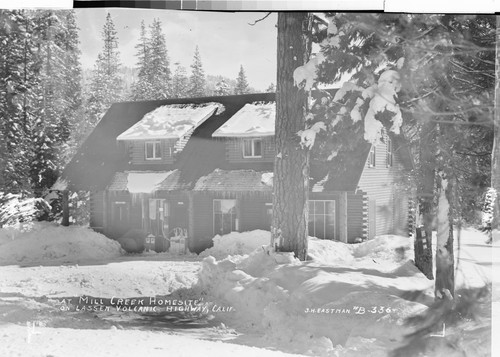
pixel 427 172
pixel 445 264
pixel 291 165
pixel 495 154
pixel 65 207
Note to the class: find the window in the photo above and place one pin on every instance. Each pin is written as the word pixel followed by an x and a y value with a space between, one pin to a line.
pixel 153 150
pixel 322 219
pixel 225 220
pixel 371 157
pixel 389 152
pixel 252 148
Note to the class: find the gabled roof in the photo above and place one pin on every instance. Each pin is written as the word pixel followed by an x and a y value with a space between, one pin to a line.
pixel 253 120
pixel 99 158
pixel 170 121
pixel 101 162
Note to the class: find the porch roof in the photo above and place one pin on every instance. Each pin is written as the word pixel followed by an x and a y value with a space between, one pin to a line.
pixel 146 181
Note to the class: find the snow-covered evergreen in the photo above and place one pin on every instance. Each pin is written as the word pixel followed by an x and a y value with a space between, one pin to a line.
pixel 222 88
pixel 41 79
pixel 105 87
pixel 197 82
pixel 241 83
pixel 180 82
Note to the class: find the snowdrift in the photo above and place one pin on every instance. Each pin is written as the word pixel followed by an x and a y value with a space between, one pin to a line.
pixel 236 243
pixel 347 299
pixel 50 243
pixel 327 300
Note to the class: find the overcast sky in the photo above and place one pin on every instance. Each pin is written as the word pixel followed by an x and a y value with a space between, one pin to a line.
pixel 225 40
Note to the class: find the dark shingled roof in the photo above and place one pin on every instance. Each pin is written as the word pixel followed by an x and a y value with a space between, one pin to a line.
pixel 100 161
pixel 100 157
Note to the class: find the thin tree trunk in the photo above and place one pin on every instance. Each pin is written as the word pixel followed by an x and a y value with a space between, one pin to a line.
pixel 423 246
pixel 495 154
pixel 291 165
pixel 445 264
pixel 65 204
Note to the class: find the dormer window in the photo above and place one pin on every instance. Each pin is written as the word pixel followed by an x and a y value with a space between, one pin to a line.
pixel 153 150
pixel 252 148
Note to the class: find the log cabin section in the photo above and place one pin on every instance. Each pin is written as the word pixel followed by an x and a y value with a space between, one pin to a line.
pixel 218 174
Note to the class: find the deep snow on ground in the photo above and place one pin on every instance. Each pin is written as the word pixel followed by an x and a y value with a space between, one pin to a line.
pixel 360 293
pixel 49 242
pixel 237 243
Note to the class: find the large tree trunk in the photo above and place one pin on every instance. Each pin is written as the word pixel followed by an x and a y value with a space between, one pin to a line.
pixel 445 264
pixel 427 172
pixel 291 165
pixel 495 154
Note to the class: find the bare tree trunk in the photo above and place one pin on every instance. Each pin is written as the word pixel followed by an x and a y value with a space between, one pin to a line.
pixel 65 204
pixel 427 173
pixel 291 165
pixel 495 154
pixel 445 264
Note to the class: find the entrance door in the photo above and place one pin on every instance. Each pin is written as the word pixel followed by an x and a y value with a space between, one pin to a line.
pixel 120 218
pixel 158 222
pixel 179 217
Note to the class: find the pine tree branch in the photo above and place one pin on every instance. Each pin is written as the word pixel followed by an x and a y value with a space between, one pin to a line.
pixel 261 19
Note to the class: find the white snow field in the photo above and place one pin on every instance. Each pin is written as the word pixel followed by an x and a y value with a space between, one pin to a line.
pixel 348 300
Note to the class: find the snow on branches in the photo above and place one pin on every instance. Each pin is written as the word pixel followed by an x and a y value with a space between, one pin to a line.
pixel 383 97
pixel 308 136
pixel 308 73
pixel 356 103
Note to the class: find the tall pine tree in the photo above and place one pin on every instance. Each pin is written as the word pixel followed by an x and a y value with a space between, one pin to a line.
pixel 241 82
pixel 140 87
pixel 222 88
pixel 159 75
pixel 106 84
pixel 197 80
pixel 180 82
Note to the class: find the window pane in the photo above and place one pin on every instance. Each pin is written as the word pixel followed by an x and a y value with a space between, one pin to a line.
pixel 218 224
pixel 257 148
pixel 217 208
pixel 247 147
pixel 149 150
pixel 157 150
pixel 319 206
pixel 330 207
pixel 228 206
pixel 311 207
pixel 330 227
pixel 319 223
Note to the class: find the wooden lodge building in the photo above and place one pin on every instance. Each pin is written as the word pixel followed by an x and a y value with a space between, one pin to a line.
pixel 203 166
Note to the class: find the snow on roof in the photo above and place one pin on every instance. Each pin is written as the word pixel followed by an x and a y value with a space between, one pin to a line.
pixel 138 181
pixel 170 121
pixel 254 119
pixel 60 185
pixel 233 180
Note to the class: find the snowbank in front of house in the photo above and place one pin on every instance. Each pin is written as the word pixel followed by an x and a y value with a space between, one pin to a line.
pixel 326 305
pixel 348 298
pixel 50 243
pixel 236 243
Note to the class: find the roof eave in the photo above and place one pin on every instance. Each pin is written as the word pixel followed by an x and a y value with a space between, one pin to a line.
pixel 241 135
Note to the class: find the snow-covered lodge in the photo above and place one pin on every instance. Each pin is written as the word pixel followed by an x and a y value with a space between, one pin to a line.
pixel 203 166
